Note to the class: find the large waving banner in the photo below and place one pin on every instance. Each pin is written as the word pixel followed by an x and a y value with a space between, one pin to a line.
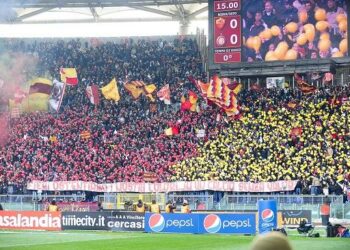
pixel 56 96
pixel 179 186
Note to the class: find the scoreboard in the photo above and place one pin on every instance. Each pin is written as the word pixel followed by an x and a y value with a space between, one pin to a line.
pixel 227 34
pixel 245 44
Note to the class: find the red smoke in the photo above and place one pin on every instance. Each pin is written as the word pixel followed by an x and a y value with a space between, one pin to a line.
pixel 3 129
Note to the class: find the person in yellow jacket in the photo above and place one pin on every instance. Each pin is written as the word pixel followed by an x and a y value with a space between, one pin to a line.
pixel 185 208
pixel 155 208
pixel 53 207
pixel 140 207
pixel 170 207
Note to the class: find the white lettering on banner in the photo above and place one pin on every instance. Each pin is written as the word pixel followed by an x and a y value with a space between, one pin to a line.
pixel 23 221
pixel 165 186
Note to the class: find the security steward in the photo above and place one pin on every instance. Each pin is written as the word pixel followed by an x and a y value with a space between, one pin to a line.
pixel 170 207
pixel 185 208
pixel 155 208
pixel 140 207
pixel 325 211
pixel 53 207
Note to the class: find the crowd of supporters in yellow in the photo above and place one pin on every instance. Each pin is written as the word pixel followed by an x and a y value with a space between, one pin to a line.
pixel 310 140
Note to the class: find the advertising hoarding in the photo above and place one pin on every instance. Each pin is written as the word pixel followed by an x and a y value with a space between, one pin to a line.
pixel 200 223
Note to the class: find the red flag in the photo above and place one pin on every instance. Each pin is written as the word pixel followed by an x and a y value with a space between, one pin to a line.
pixel 92 94
pixel 297 131
pixel 186 105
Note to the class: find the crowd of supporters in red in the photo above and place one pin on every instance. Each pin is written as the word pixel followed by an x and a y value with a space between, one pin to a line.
pixel 127 138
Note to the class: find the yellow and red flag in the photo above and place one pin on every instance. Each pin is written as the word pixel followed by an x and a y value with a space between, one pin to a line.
pixel 303 86
pixel 85 134
pixel 222 96
pixel 69 76
pixel 171 131
pixel 193 98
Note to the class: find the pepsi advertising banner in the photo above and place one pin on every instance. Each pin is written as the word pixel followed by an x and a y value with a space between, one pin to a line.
pixel 267 215
pixel 200 223
pixel 227 223
pixel 171 223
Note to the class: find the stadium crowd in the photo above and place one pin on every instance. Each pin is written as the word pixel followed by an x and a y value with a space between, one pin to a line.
pixel 272 141
pixel 127 138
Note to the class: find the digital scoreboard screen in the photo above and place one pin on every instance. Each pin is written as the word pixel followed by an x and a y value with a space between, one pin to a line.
pixel 253 31
pixel 226 24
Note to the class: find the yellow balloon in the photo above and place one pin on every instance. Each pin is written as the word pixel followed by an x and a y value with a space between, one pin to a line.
pixel 292 27
pixel 270 56
pixel 302 39
pixel 341 17
pixel 281 50
pixel 343 25
pixel 324 45
pixel 302 16
pixel 291 55
pixel 249 42
pixel 256 43
pixel 310 32
pixel 324 36
pixel 275 30
pixel 343 46
pixel 337 54
pixel 309 26
pixel 320 15
pixel 321 25
pixel 266 34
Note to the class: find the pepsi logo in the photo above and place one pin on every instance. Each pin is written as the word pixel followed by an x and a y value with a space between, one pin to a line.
pixel 156 222
pixel 212 223
pixel 267 215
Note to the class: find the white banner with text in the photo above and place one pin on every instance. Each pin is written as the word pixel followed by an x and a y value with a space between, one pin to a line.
pixel 178 186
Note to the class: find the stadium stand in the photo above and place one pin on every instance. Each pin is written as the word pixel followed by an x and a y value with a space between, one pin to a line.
pixel 279 134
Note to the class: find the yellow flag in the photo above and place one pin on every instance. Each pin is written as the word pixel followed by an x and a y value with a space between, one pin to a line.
pixel 237 89
pixel 149 89
pixel 111 91
pixel 133 90
pixel 168 131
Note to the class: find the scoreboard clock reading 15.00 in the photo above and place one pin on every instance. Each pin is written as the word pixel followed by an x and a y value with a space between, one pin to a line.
pixel 227 35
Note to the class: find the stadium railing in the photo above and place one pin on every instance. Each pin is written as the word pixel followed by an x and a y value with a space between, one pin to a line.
pixel 339 210
pixel 35 201
pixel 196 202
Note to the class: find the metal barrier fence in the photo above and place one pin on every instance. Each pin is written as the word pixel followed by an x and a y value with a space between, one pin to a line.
pixel 196 202
pixel 230 201
pixel 33 202
pixel 132 198
pixel 339 209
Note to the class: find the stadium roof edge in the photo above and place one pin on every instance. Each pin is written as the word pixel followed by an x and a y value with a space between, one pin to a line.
pixel 94 3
